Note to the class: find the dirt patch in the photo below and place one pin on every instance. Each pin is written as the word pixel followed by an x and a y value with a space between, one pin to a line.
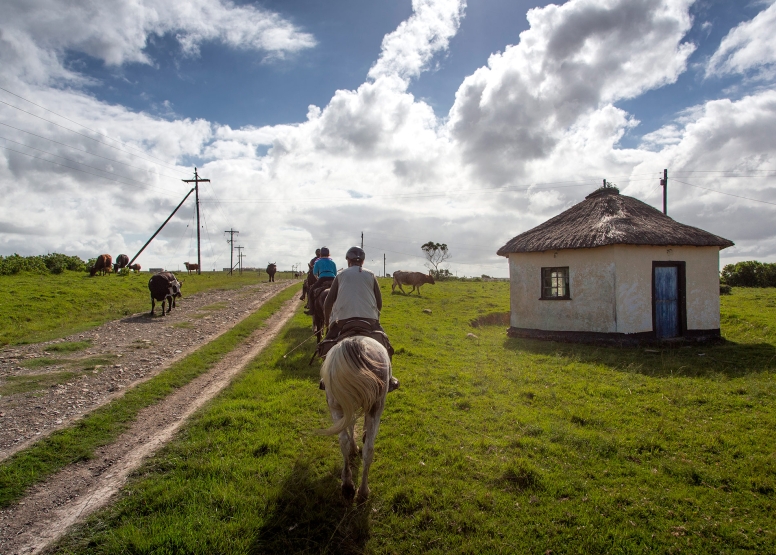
pixel 51 507
pixel 492 319
pixel 46 386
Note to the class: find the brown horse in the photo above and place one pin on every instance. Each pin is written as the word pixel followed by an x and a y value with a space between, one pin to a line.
pixel 319 318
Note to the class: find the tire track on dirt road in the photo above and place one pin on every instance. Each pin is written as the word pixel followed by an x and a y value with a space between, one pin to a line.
pixel 51 507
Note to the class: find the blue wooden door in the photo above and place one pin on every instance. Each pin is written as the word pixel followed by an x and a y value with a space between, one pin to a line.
pixel 666 301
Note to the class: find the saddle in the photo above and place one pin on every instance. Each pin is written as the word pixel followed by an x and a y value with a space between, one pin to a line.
pixel 350 328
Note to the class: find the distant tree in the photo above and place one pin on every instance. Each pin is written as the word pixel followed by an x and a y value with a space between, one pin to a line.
pixel 749 273
pixel 436 254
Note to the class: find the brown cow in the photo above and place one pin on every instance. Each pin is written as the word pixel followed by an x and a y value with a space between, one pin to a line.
pixel 191 267
pixel 272 269
pixel 164 286
pixel 416 279
pixel 135 267
pixel 102 265
pixel 121 262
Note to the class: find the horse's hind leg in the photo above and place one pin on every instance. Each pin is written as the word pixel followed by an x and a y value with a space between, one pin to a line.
pixel 347 443
pixel 371 426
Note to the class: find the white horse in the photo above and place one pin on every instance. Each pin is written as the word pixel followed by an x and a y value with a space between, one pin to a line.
pixel 356 374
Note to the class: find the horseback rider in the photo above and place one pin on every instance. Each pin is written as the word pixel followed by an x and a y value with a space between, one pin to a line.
pixel 309 277
pixel 325 270
pixel 353 306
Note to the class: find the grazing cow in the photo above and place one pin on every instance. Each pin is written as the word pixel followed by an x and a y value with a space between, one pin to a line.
pixel 271 271
pixel 102 265
pixel 164 286
pixel 121 262
pixel 135 267
pixel 191 267
pixel 416 279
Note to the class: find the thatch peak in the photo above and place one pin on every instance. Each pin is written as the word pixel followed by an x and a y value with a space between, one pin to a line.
pixel 607 189
pixel 606 217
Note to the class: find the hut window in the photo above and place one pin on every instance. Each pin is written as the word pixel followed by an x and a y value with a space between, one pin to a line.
pixel 555 283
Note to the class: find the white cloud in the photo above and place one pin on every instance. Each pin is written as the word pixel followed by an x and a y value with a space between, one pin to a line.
pixel 749 46
pixel 407 51
pixel 378 160
pixel 574 59
pixel 36 34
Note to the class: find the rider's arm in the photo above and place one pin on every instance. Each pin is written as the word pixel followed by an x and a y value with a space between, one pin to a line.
pixel 334 289
pixel 378 296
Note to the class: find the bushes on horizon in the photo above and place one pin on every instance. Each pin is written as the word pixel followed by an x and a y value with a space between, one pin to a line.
pixel 750 273
pixel 54 263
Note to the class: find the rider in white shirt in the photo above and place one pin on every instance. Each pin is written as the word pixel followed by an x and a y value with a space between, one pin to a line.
pixel 355 301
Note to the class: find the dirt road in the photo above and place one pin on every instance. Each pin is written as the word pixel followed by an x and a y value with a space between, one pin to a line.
pixel 54 388
pixel 51 507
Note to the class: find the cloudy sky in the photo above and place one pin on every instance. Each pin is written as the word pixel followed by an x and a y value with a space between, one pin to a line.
pixel 409 121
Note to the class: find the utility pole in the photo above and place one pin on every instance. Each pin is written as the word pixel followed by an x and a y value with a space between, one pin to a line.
pixel 362 239
pixel 196 182
pixel 384 272
pixel 664 183
pixel 239 258
pixel 231 233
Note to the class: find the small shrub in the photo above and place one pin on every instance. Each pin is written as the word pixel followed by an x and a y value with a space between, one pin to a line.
pixel 54 263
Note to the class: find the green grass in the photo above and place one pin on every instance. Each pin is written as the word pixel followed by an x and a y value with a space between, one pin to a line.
pixel 25 384
pixel 69 346
pixel 103 425
pixel 37 308
pixel 492 445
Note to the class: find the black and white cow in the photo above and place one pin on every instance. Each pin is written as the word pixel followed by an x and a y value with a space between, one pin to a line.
pixel 164 286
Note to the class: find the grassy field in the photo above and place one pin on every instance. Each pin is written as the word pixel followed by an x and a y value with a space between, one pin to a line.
pixel 492 445
pixel 103 425
pixel 37 307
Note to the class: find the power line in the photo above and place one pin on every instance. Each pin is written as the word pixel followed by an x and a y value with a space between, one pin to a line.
pixel 77 162
pixel 424 258
pixel 83 150
pixel 73 121
pixel 78 169
pixel 83 135
pixel 723 193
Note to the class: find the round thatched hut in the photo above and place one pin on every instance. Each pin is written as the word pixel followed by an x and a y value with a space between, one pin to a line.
pixel 613 268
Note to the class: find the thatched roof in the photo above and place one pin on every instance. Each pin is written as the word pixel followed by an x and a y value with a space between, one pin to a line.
pixel 606 217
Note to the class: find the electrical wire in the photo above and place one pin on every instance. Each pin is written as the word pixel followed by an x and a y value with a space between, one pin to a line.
pixel 75 122
pixel 81 163
pixel 86 136
pixel 85 151
pixel 723 193
pixel 80 170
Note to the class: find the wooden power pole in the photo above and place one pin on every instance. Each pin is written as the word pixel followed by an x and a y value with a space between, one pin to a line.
pixel 664 183
pixel 231 233
pixel 239 258
pixel 197 179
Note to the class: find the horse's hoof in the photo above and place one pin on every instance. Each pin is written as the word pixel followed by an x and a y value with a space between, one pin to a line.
pixel 348 491
pixel 362 496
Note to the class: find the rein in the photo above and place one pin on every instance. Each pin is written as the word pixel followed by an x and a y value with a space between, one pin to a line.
pixel 302 343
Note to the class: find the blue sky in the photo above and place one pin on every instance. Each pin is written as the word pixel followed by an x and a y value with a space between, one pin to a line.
pixel 463 123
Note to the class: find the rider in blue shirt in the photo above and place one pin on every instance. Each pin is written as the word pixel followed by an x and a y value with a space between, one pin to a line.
pixel 325 270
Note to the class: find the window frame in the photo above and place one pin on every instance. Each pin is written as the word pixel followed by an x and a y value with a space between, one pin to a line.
pixel 567 282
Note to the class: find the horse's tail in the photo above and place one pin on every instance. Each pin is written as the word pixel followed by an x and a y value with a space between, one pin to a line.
pixel 356 373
